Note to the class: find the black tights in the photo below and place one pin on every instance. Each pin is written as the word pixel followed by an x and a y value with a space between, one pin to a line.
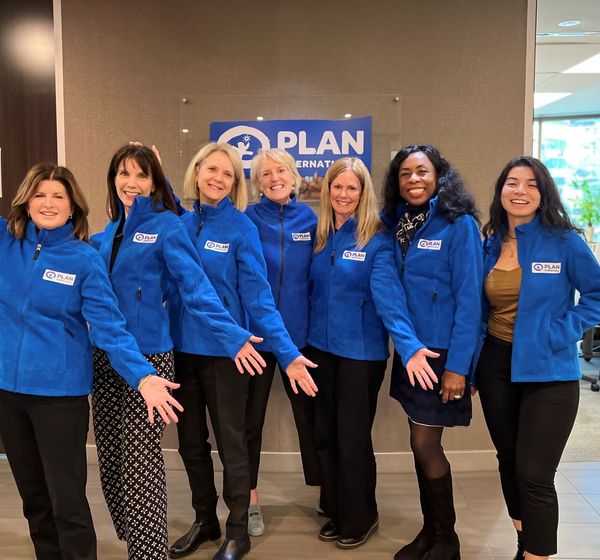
pixel 426 445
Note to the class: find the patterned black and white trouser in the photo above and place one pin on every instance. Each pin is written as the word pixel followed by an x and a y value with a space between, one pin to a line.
pixel 132 470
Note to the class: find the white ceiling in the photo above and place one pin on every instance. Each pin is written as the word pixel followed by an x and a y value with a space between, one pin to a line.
pixel 555 54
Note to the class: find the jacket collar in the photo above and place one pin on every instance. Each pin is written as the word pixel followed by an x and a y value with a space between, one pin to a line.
pixel 274 208
pixel 401 207
pixel 208 212
pixel 49 237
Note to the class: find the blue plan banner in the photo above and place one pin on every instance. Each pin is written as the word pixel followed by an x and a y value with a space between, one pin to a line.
pixel 314 144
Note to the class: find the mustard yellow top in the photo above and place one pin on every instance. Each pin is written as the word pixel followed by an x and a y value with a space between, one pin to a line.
pixel 502 289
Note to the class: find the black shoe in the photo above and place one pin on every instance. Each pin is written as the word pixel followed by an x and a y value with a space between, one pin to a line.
pixel 200 532
pixel 233 549
pixel 347 542
pixel 417 549
pixel 329 532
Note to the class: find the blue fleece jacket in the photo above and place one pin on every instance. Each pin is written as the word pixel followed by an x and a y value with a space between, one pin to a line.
pixel 287 236
pixel 357 299
pixel 555 263
pixel 155 258
pixel 51 287
pixel 441 276
pixel 229 248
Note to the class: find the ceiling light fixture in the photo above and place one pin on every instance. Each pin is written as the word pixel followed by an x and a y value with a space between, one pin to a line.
pixel 259 118
pixel 184 130
pixel 541 99
pixel 347 115
pixel 589 66
pixel 569 23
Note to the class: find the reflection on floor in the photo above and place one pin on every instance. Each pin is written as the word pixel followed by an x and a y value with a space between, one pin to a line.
pixel 292 523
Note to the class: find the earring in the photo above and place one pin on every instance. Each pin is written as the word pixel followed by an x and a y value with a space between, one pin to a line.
pixel 28 214
pixel 261 194
pixel 70 216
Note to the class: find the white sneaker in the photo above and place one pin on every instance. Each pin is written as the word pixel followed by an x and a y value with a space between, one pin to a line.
pixel 256 524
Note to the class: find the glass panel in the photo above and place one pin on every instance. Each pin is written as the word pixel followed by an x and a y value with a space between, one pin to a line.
pixel 570 148
pixel 198 111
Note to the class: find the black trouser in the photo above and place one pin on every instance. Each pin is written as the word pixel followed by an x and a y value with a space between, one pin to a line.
pixel 530 424
pixel 345 408
pixel 44 439
pixel 304 416
pixel 214 383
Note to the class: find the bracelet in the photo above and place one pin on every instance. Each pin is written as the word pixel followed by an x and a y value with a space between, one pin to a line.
pixel 143 381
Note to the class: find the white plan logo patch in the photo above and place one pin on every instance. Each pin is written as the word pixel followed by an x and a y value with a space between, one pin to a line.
pixel 219 247
pixel 145 237
pixel 301 236
pixel 59 277
pixel 546 268
pixel 354 255
pixel 431 244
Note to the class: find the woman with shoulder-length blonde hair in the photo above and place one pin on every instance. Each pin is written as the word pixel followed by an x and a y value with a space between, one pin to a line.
pixel 53 284
pixel 228 245
pixel 287 234
pixel 357 302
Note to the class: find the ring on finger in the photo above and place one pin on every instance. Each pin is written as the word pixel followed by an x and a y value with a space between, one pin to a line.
pixel 457 397
pixel 244 360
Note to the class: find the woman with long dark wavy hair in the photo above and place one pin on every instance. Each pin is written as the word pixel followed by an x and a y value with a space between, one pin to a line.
pixel 528 370
pixel 438 256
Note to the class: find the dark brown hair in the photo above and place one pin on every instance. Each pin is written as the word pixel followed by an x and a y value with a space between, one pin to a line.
pixel 19 217
pixel 150 165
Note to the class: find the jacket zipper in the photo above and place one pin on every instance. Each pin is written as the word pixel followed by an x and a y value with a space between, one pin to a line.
pixel 225 301
pixel 199 228
pixel 69 333
pixel 25 294
pixel 281 271
pixel 139 294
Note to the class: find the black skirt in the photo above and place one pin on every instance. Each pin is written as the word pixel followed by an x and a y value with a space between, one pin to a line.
pixel 426 407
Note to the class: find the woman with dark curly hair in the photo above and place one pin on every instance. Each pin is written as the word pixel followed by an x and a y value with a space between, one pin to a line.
pixel 438 255
pixel 528 370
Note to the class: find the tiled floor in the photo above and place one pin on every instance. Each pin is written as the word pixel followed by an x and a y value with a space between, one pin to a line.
pixel 292 523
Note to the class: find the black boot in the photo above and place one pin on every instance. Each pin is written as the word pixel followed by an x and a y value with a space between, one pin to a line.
pixel 233 549
pixel 200 532
pixel 439 495
pixel 520 555
pixel 417 549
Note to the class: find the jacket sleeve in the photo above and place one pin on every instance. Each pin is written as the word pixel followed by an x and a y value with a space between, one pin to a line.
pixel 390 302
pixel 258 299
pixel 180 209
pixel 107 325
pixel 467 279
pixel 197 293
pixel 583 271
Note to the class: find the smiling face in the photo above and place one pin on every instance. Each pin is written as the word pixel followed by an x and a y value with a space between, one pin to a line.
pixel 344 194
pixel 131 181
pixel 418 179
pixel 215 178
pixel 520 196
pixel 50 207
pixel 275 181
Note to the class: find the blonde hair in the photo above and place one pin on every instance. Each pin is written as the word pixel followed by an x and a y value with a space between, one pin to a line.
pixel 19 217
pixel 239 193
pixel 280 156
pixel 367 216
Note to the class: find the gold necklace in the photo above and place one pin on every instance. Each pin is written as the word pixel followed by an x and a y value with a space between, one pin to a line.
pixel 509 245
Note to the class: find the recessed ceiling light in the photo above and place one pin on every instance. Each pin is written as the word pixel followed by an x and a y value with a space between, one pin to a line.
pixel 184 130
pixel 347 115
pixel 589 66
pixel 569 23
pixel 259 118
pixel 542 99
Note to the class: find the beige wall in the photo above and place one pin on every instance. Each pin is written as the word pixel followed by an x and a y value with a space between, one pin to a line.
pixel 459 67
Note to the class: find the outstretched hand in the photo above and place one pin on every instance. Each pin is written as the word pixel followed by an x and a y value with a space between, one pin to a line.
pixel 298 373
pixel 153 149
pixel 418 368
pixel 156 396
pixel 248 357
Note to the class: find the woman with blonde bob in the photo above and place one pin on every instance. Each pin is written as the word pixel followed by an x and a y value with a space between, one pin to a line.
pixel 53 284
pixel 357 302
pixel 287 234
pixel 228 245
